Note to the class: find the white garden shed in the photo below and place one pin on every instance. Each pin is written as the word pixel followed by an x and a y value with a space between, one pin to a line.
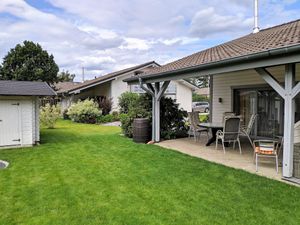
pixel 19 112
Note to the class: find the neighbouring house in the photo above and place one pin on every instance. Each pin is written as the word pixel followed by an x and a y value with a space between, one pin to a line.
pixel 112 86
pixel 19 112
pixel 204 92
pixel 255 74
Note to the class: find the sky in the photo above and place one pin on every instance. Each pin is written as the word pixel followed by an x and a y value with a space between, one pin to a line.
pixel 108 35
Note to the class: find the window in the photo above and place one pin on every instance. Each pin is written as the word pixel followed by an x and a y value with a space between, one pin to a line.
pixel 267 104
pixel 171 90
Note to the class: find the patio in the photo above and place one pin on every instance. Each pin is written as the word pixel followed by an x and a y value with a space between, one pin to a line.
pixel 232 158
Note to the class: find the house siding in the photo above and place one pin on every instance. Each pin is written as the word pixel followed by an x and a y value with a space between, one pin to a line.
pixel 184 96
pixel 117 88
pixel 224 84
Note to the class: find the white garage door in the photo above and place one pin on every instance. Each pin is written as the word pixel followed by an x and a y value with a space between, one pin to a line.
pixel 9 123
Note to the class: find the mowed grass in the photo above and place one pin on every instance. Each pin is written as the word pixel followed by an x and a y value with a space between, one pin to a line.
pixel 88 174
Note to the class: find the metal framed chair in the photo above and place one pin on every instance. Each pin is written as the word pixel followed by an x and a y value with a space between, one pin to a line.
pixel 194 128
pixel 267 149
pixel 228 114
pixel 246 130
pixel 230 133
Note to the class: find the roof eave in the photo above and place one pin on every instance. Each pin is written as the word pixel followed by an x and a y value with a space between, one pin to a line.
pixel 95 83
pixel 260 55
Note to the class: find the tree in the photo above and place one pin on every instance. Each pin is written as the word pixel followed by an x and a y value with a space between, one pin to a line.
pixel 29 62
pixel 65 76
pixel 200 81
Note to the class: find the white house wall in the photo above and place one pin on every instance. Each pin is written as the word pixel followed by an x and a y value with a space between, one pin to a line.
pixel 223 85
pixel 117 88
pixel 183 92
pixel 184 96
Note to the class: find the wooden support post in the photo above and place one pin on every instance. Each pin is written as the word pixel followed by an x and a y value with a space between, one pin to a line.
pixel 150 90
pixel 289 121
pixel 156 91
pixel 157 112
pixel 288 93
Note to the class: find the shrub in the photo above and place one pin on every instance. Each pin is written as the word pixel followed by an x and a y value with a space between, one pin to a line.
pixel 65 115
pixel 172 118
pixel 126 124
pixel 108 118
pixel 105 104
pixel 200 98
pixel 116 116
pixel 204 118
pixel 84 111
pixel 127 100
pixel 49 115
pixel 105 118
pixel 133 106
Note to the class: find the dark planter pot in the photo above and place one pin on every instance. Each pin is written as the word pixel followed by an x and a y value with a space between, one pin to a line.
pixel 141 130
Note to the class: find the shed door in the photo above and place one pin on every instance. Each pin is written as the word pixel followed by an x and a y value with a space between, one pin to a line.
pixel 9 123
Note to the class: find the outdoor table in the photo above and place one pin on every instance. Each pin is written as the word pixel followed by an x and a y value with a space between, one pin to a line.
pixel 214 129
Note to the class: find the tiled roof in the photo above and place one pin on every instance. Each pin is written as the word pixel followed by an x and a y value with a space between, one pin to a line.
pixel 111 76
pixel 63 87
pixel 25 88
pixel 280 36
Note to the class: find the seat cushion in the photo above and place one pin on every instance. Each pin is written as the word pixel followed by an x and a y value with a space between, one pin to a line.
pixel 264 151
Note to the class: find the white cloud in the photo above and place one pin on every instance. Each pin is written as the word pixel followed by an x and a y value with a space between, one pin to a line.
pixel 136 43
pixel 208 22
pixel 106 35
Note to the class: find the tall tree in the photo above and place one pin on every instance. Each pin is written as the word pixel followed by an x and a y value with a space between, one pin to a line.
pixel 29 62
pixel 65 76
pixel 201 82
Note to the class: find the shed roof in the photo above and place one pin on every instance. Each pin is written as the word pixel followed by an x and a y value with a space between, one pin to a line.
pixel 25 88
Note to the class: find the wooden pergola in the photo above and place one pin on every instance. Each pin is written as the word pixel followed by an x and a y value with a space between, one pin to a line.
pixel 156 85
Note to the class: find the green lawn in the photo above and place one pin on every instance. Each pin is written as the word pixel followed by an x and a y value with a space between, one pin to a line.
pixel 88 174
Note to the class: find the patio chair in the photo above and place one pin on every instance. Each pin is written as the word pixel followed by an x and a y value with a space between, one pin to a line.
pixel 230 133
pixel 194 128
pixel 267 149
pixel 228 114
pixel 246 130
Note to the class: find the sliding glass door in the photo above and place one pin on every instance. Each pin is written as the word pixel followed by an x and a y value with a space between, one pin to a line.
pixel 267 104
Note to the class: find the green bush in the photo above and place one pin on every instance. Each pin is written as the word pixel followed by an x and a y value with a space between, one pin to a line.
pixel 108 118
pixel 105 118
pixel 172 119
pixel 140 106
pixel 200 98
pixel 133 106
pixel 116 116
pixel 85 111
pixel 203 118
pixel 105 104
pixel 126 124
pixel 65 115
pixel 127 100
pixel 49 115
